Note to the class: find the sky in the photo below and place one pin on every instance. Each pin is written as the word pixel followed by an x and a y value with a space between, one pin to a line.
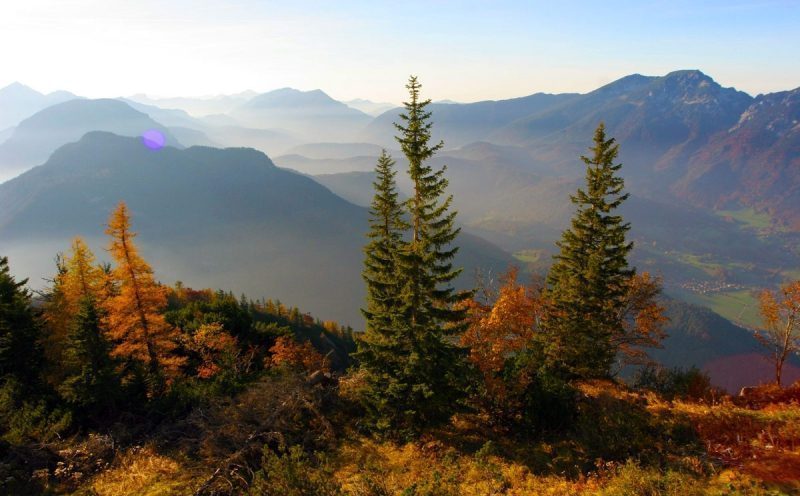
pixel 461 50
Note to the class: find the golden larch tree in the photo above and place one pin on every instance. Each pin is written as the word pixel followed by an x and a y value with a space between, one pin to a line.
pixel 134 318
pixel 77 277
pixel 781 316
pixel 83 277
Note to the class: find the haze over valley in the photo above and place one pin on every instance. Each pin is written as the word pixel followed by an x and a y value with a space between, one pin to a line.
pixel 719 222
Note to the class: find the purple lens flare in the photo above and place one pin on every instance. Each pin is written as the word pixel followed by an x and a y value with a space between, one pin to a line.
pixel 153 139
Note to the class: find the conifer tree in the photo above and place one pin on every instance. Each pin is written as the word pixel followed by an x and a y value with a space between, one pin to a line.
pixel 385 235
pixel 416 376
pixel 379 351
pixel 90 379
pixel 20 353
pixel 588 281
pixel 83 278
pixel 133 316
pixel 78 278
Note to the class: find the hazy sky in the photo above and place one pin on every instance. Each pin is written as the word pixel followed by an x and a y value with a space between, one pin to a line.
pixel 462 50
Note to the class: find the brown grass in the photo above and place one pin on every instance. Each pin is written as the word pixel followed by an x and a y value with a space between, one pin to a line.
pixel 144 472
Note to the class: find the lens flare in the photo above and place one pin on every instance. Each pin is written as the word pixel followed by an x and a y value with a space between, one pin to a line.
pixel 153 139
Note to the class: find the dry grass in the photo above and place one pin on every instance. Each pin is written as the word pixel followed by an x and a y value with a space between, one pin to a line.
pixel 142 471
pixel 737 450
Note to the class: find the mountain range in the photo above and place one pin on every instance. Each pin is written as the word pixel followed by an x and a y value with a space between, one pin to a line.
pixel 212 217
pixel 18 101
pixel 713 172
pixel 36 137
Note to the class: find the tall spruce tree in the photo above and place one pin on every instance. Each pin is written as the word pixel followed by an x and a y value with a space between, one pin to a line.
pixel 587 283
pixel 414 370
pixel 380 351
pixel 385 238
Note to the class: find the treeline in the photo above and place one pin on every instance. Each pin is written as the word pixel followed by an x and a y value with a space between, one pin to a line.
pixel 511 353
pixel 107 341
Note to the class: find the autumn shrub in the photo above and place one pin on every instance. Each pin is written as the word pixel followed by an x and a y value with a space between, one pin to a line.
pixel 769 394
pixel 287 352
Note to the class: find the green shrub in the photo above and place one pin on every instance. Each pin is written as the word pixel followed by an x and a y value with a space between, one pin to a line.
pixel 691 383
pixel 550 403
pixel 23 420
pixel 290 472
pixel 631 479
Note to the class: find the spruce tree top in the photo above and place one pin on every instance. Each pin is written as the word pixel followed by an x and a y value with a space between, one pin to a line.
pixel 415 132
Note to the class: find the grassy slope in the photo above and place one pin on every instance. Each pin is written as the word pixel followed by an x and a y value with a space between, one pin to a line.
pixel 624 443
pixel 740 307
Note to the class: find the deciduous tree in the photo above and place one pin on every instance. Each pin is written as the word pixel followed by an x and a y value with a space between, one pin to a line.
pixel 133 317
pixel 642 317
pixel 496 334
pixel 781 317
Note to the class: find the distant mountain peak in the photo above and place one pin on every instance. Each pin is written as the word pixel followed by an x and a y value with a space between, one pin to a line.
pixel 688 74
pixel 624 84
pixel 291 97
pixel 17 90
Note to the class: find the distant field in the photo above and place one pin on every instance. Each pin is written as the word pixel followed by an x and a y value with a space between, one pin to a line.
pixel 535 261
pixel 529 256
pixel 703 263
pixel 749 217
pixel 740 307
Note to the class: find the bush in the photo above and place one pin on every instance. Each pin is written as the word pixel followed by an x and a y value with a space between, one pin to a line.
pixel 691 383
pixel 631 479
pixel 29 419
pixel 549 403
pixel 290 472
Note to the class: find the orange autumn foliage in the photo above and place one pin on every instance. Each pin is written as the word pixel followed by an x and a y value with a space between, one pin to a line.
pixel 134 317
pixel 642 319
pixel 78 277
pixel 781 316
pixel 83 277
pixel 286 352
pixel 497 332
pixel 212 343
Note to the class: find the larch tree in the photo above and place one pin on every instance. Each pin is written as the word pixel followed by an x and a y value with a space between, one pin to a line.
pixel 77 277
pixel 133 316
pixel 83 277
pixel 422 384
pixel 781 333
pixel 588 281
